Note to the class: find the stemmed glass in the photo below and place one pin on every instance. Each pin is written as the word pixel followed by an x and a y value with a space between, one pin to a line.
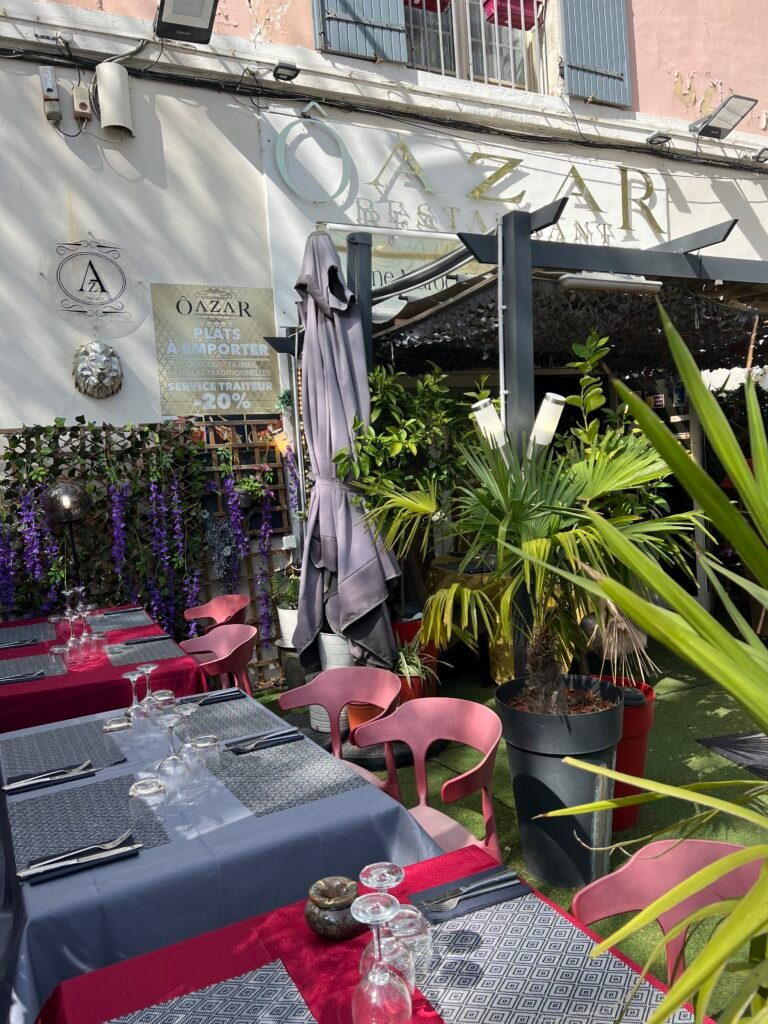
pixel 135 709
pixel 145 794
pixel 382 996
pixel 69 605
pixel 173 770
pixel 186 711
pixel 146 670
pixel 74 644
pixel 382 875
pixel 81 605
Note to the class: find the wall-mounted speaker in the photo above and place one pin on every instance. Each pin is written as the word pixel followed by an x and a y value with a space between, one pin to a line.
pixel 188 20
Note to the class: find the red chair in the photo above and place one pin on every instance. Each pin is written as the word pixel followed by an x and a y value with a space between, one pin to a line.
pixel 225 609
pixel 337 687
pixel 653 871
pixel 225 651
pixel 419 723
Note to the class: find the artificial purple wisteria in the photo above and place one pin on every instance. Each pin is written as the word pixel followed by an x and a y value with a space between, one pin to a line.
pixel 262 576
pixel 162 597
pixel 7 569
pixel 119 492
pixel 292 479
pixel 31 539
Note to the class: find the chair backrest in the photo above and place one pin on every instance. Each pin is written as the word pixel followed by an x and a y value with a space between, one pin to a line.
pixel 224 609
pixel 230 647
pixel 337 687
pixel 654 870
pixel 419 723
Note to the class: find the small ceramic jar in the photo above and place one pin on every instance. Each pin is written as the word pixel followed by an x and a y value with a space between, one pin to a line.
pixel 328 911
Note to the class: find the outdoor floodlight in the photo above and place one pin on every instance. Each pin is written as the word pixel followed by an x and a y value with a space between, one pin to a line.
pixel 545 424
pixel 761 155
pixel 659 139
pixel 722 121
pixel 191 22
pixel 587 281
pixel 489 424
pixel 285 71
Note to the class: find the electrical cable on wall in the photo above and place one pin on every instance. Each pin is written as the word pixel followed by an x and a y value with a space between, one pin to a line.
pixel 440 124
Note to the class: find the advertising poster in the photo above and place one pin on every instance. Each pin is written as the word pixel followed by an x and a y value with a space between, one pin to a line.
pixel 211 353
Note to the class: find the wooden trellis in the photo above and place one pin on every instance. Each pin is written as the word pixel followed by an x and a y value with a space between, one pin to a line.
pixel 248 440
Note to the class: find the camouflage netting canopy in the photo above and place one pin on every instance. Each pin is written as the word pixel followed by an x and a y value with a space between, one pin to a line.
pixel 458 328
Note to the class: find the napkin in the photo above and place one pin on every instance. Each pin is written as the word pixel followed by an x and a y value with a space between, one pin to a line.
pixel 145 639
pixel 82 863
pixel 122 611
pixel 12 788
pixel 29 642
pixel 22 677
pixel 232 693
pixel 513 890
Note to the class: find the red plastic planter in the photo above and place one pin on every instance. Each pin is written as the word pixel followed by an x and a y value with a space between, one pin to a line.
pixel 632 750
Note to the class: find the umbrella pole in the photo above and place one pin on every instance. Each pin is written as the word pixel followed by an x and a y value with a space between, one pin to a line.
pixel 360 280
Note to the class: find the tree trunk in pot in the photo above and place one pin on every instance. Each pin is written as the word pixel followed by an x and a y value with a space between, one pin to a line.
pixel 536 745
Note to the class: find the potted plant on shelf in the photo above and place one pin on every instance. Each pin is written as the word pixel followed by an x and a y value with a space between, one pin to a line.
pixel 284 586
pixel 525 517
pixel 253 488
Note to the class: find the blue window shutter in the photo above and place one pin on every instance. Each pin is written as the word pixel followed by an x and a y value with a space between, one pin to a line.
pixel 596 51
pixel 369 29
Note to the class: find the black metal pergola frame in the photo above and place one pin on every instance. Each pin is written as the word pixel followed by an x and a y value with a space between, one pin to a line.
pixel 518 254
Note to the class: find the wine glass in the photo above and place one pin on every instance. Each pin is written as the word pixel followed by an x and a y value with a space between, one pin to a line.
pixel 197 752
pixel 146 794
pixel 69 603
pixel 146 670
pixel 74 644
pixel 412 930
pixel 381 996
pixel 81 605
pixel 186 711
pixel 135 708
pixel 381 876
pixel 394 954
pixel 57 621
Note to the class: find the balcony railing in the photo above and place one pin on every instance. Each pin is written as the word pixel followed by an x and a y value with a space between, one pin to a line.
pixel 500 42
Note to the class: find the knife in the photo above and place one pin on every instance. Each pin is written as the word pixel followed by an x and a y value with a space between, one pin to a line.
pixel 20 643
pixel 462 890
pixel 54 778
pixel 23 677
pixel 66 867
pixel 145 640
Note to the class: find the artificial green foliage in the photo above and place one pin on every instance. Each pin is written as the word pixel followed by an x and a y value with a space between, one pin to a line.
pixel 411 438
pixel 167 457
pixel 735 658
pixel 284 587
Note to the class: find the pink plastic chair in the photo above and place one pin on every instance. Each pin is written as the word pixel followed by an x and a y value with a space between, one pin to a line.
pixel 337 687
pixel 224 610
pixel 654 870
pixel 225 651
pixel 418 723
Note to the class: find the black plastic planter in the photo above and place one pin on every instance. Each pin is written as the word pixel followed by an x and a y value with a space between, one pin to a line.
pixel 557 850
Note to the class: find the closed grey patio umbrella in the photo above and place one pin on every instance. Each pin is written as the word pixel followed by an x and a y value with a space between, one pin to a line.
pixel 345 571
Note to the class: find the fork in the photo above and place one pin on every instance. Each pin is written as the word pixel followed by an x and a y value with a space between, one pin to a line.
pixel 112 844
pixel 54 773
pixel 451 904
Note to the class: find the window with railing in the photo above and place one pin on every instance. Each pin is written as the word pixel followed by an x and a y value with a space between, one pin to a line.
pixel 495 41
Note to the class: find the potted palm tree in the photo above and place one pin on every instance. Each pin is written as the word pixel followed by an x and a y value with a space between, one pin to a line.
pixel 526 518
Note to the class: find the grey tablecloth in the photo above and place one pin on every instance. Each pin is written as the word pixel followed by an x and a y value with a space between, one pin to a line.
pixel 221 865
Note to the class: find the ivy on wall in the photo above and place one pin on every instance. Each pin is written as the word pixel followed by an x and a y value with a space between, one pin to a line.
pixel 143 538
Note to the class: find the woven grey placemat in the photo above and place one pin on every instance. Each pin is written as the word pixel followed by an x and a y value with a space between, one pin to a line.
pixel 39 631
pixel 137 654
pixel 52 823
pixel 121 620
pixel 230 719
pixel 30 664
pixel 49 749
pixel 523 961
pixel 264 996
pixel 285 776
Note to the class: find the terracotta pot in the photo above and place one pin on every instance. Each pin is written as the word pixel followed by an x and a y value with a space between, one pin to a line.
pixel 361 713
pixel 413 688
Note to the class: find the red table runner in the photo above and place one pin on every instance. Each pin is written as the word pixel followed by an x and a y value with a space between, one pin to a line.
pixel 89 690
pixel 325 973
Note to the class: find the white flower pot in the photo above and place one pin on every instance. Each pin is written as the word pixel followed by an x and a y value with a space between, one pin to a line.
pixel 334 653
pixel 288 619
pixel 320 722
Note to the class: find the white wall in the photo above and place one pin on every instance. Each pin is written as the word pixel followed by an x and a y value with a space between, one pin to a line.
pixel 185 197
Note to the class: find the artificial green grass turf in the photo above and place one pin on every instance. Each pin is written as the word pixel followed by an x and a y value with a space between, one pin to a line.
pixel 688 707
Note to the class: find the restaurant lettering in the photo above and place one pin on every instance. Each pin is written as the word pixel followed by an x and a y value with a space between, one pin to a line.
pixel 402 191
